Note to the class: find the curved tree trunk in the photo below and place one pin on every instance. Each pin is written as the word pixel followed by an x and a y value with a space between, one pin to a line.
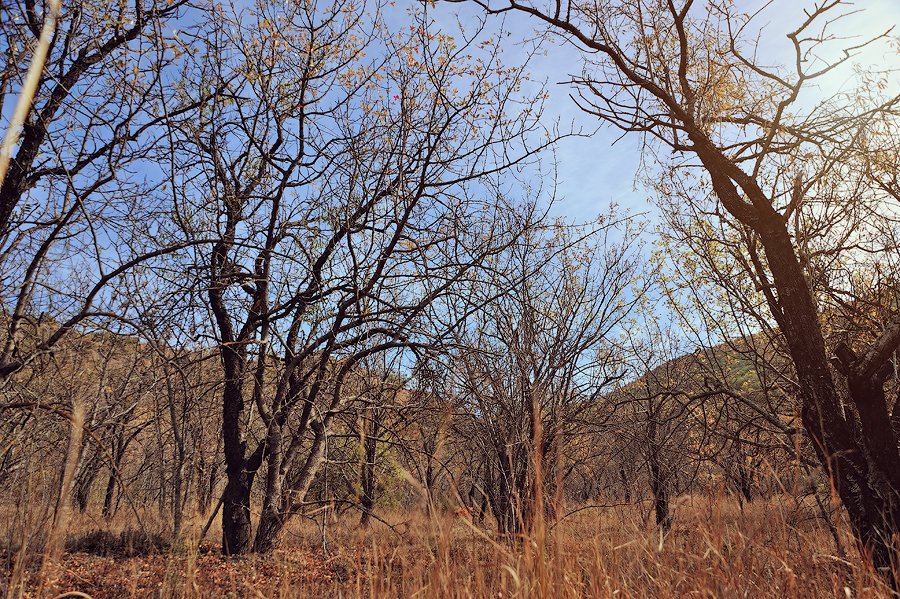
pixel 857 471
pixel 283 501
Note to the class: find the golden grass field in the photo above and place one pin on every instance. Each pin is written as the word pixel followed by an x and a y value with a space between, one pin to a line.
pixel 770 548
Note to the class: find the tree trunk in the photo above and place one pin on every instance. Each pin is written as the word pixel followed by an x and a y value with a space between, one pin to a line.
pixel 290 494
pixel 236 497
pixel 118 453
pixel 515 505
pixel 179 453
pixel 871 511
pixel 84 482
pixel 482 508
pixel 370 447
pixel 271 519
pixel 236 514
pixel 660 490
pixel 429 483
pixel 60 523
pixel 110 493
pixel 860 485
pixel 745 481
pixel 178 493
pixel 626 486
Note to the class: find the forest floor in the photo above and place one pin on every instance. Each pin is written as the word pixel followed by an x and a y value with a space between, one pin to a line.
pixel 769 548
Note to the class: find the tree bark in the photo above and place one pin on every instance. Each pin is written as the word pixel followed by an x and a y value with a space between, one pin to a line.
pixel 62 511
pixel 236 497
pixel 291 493
pixel 271 519
pixel 370 448
pixel 658 483
pixel 871 510
pixel 236 514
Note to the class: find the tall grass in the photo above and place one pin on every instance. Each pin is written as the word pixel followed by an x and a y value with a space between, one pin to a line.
pixel 770 548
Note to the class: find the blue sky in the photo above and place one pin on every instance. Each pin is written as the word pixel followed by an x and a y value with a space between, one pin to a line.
pixel 592 172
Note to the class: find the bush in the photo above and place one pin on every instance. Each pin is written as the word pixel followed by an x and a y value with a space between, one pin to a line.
pixel 128 543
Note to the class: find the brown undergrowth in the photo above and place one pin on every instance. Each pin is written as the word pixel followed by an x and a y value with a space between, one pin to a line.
pixel 770 548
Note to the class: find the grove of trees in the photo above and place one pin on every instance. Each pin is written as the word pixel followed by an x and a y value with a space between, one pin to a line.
pixel 262 258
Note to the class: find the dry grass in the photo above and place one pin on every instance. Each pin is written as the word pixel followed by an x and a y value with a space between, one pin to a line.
pixel 769 549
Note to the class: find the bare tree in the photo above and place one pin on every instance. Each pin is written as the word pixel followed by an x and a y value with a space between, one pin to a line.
pixel 799 185
pixel 74 187
pixel 348 195
pixel 533 368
